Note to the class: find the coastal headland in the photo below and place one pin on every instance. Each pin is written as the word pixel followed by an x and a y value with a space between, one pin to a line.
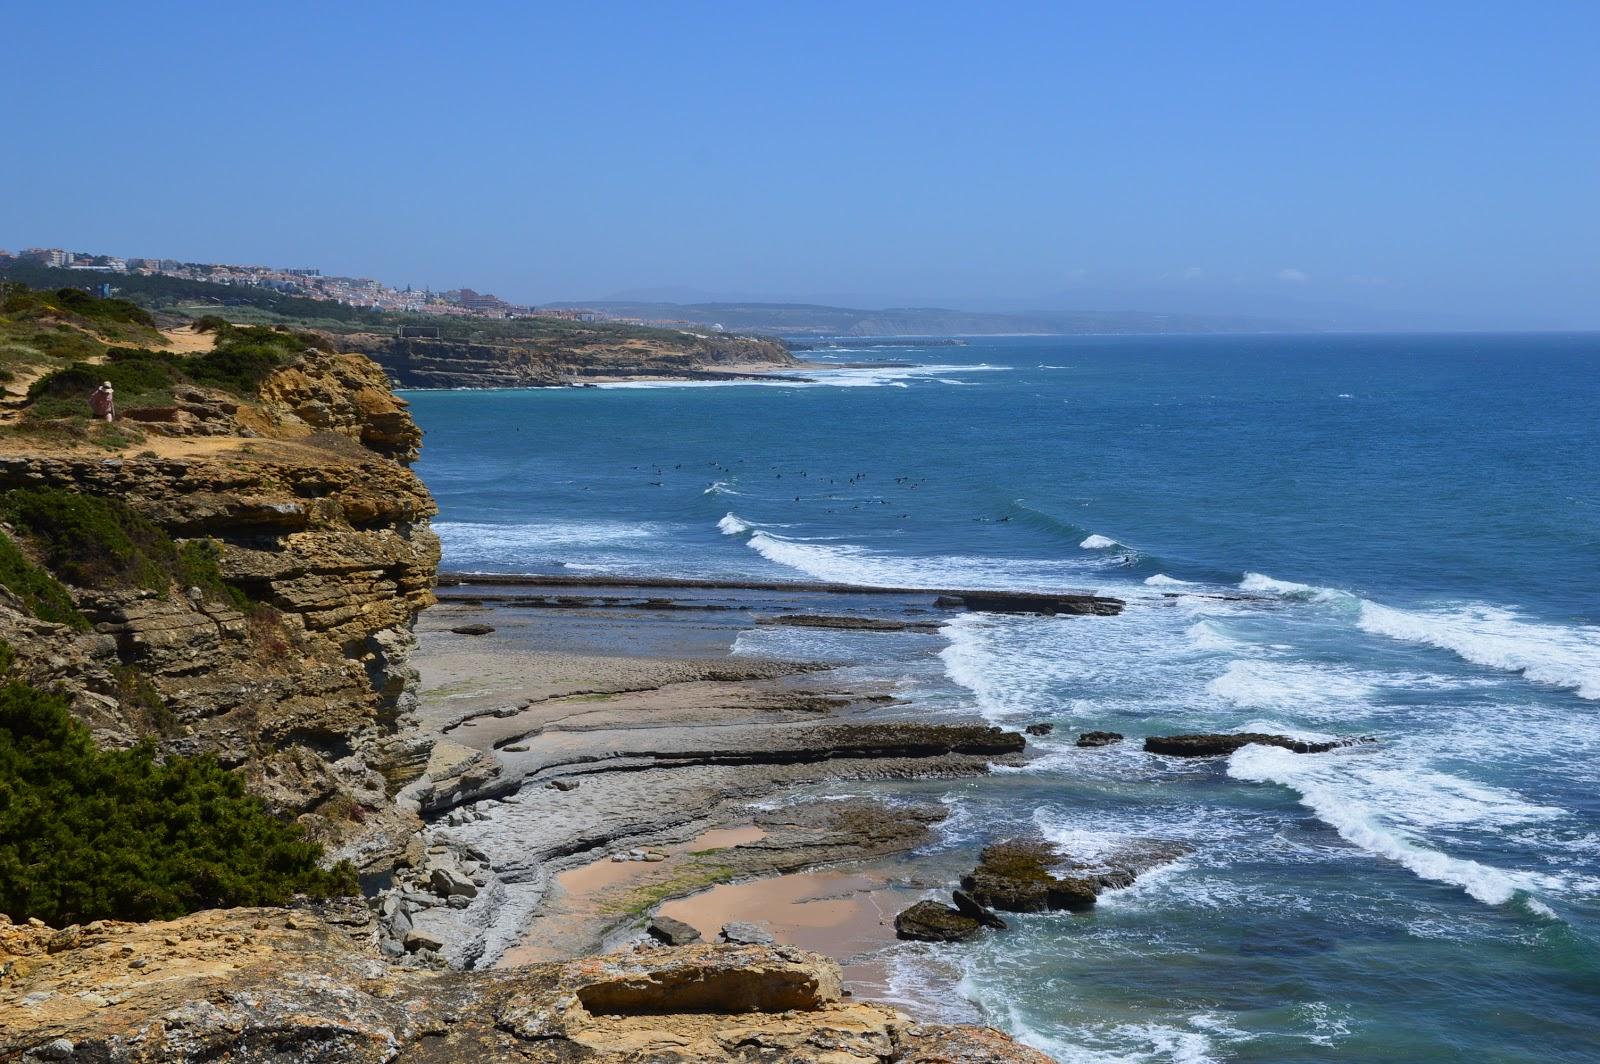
pixel 232 574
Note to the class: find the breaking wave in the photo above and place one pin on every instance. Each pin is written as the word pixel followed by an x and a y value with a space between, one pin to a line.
pixel 1359 802
pixel 1499 638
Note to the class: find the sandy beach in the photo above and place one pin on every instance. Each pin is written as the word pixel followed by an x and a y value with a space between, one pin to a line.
pixel 601 764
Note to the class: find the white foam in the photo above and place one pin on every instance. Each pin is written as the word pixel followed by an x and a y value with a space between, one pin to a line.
pixel 1263 584
pixel 1163 580
pixel 469 545
pixel 1205 636
pixel 854 377
pixel 1378 809
pixel 1565 656
pixel 720 487
pixel 847 563
pixel 1098 542
pixel 732 525
pixel 1292 686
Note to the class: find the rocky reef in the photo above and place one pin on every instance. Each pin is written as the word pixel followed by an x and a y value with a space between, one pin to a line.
pixel 1219 745
pixel 278 986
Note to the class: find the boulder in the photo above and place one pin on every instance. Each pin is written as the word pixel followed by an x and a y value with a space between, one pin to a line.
pixel 1015 876
pixel 452 883
pixel 1039 729
pixel 1099 738
pixel 417 940
pixel 561 785
pixel 931 921
pixel 741 934
pixel 473 629
pixel 969 906
pixel 1218 745
pixel 670 932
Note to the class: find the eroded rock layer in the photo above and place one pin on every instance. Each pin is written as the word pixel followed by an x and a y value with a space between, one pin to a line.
pixel 275 985
pixel 304 683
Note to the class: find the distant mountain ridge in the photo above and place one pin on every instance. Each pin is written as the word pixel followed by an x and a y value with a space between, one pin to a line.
pixel 793 319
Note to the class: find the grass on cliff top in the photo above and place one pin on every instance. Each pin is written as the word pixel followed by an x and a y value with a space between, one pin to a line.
pixel 242 359
pixel 90 542
pixel 88 834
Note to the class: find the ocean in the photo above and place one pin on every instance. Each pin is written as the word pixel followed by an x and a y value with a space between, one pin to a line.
pixel 1385 536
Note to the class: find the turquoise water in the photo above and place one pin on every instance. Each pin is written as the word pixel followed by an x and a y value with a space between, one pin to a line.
pixel 1409 532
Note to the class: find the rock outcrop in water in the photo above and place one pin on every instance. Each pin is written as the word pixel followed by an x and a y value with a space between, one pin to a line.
pixel 1218 745
pixel 277 986
pixel 931 921
pixel 1031 875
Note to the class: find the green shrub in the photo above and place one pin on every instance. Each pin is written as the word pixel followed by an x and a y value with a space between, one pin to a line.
pixel 89 834
pixel 20 302
pixel 93 542
pixel 242 359
pixel 141 378
pixel 198 566
pixel 41 594
pixel 88 541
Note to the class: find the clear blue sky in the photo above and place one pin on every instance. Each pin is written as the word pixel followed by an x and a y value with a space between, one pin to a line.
pixel 1436 157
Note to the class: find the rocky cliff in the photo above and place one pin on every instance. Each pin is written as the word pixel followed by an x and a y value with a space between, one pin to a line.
pixel 569 359
pixel 291 667
pixel 277 986
pixel 303 685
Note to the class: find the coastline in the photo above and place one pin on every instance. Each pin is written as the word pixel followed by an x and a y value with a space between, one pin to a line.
pixel 640 769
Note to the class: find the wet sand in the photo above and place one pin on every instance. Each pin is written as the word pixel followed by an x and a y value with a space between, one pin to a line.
pixel 570 737
pixel 842 914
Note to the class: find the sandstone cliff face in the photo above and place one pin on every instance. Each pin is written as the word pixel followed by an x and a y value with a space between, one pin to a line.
pixel 273 985
pixel 452 364
pixel 318 519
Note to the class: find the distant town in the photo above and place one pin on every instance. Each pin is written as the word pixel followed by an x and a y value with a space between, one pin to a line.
pixel 309 283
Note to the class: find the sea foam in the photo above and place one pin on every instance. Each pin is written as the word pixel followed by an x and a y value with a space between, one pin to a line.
pixel 848 563
pixel 1565 656
pixel 1098 542
pixel 732 525
pixel 1362 805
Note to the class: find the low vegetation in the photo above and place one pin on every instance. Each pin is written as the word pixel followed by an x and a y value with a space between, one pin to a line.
pixel 90 834
pixel 241 360
pixel 40 593
pixel 90 542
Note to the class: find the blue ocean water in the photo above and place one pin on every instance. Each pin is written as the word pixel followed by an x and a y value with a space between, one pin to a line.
pixel 1405 535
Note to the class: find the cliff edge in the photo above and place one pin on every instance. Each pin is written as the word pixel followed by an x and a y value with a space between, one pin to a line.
pixel 573 356
pixel 296 677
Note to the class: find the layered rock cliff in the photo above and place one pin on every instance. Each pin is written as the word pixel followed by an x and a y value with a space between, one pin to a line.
pixel 299 680
pixel 279 986
pixel 312 512
pixel 420 363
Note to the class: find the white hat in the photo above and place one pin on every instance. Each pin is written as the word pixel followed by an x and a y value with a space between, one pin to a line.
pixel 106 385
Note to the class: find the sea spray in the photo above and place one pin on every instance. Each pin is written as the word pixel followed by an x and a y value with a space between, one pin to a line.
pixel 1342 800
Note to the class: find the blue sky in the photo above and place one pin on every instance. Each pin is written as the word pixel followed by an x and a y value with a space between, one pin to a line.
pixel 1436 159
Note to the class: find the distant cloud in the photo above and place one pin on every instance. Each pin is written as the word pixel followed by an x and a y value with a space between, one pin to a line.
pixel 1193 273
pixel 1364 278
pixel 1290 275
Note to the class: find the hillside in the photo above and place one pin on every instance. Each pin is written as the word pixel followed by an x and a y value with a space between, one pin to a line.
pixel 803 319
pixel 466 352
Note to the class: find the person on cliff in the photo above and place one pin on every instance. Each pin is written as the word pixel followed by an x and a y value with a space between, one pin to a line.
pixel 102 402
